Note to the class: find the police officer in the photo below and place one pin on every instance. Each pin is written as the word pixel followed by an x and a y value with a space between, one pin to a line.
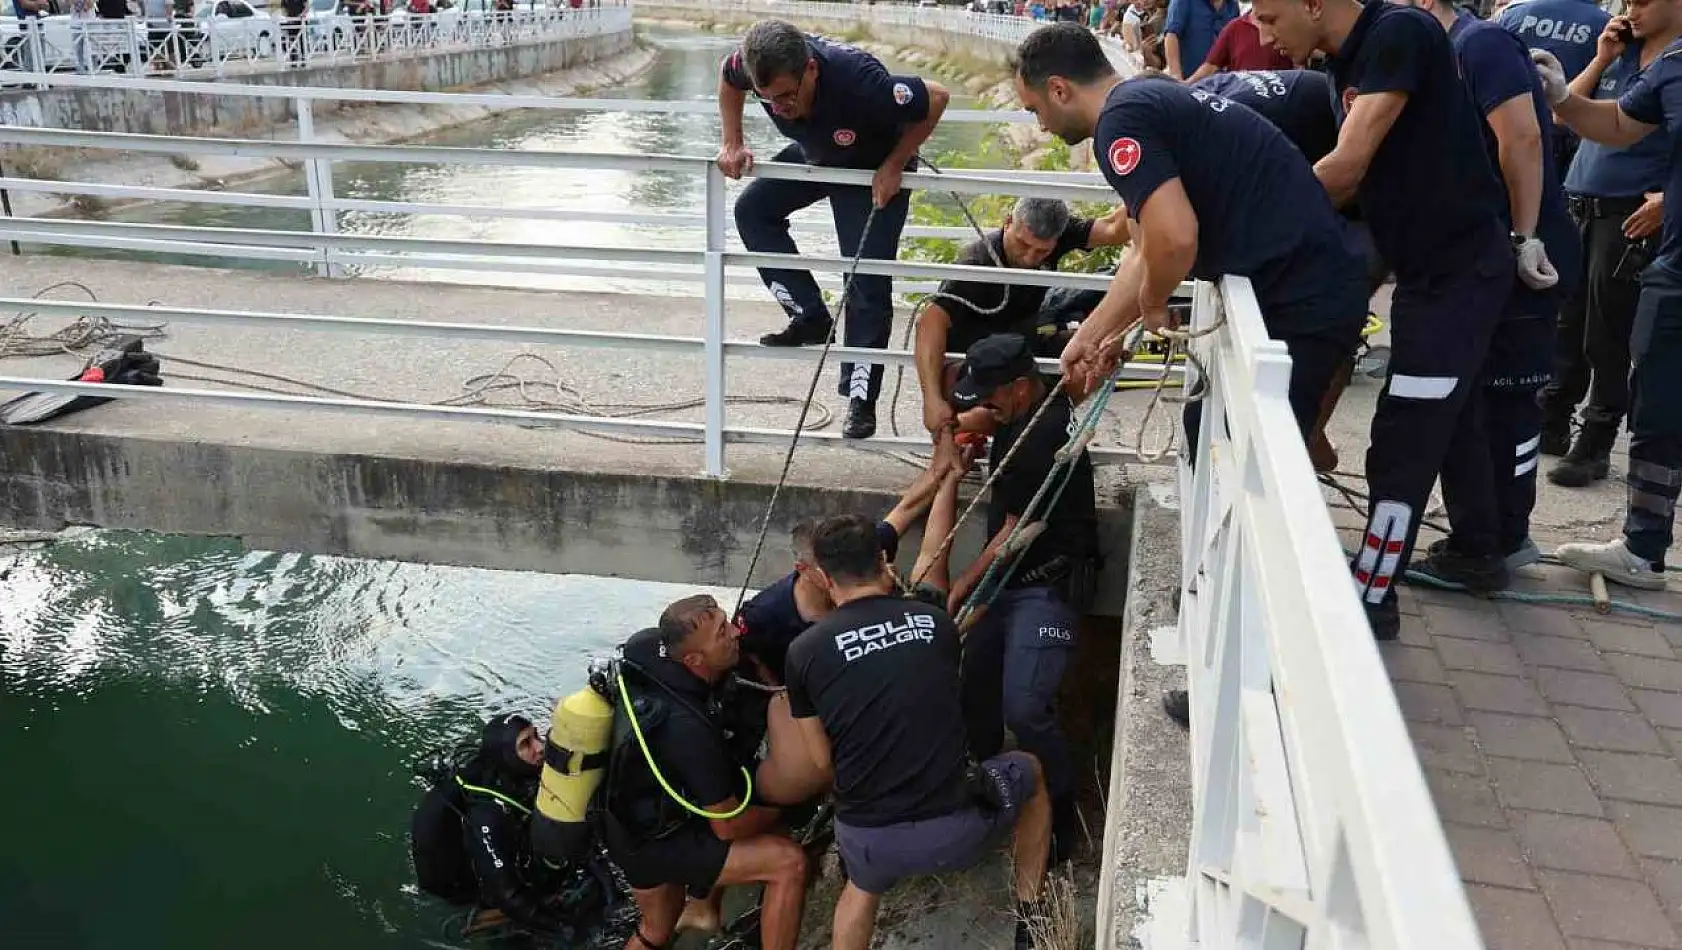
pixel 1411 148
pixel 1567 29
pixel 1212 189
pixel 1016 652
pixel 1655 447
pixel 1518 128
pixel 675 817
pixel 1616 196
pixel 843 110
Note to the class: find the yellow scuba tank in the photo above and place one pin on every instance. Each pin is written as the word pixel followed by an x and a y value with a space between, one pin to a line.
pixel 574 762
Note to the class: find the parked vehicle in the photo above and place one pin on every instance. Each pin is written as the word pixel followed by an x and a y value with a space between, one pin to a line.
pixel 236 29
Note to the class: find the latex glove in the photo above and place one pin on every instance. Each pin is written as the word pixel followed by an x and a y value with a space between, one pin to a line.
pixel 1554 84
pixel 1534 268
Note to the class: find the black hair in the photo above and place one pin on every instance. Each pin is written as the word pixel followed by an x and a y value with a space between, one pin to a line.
pixel 678 620
pixel 800 539
pixel 847 548
pixel 773 48
pixel 1061 49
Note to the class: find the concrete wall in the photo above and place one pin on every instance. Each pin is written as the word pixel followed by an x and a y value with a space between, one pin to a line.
pixel 934 41
pixel 681 530
pixel 120 110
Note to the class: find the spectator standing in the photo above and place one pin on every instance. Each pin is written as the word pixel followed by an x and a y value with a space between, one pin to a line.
pixel 81 14
pixel 1567 29
pixel 109 9
pixel 28 13
pixel 1617 200
pixel 292 27
pixel 1190 32
pixel 157 33
pixel 1239 49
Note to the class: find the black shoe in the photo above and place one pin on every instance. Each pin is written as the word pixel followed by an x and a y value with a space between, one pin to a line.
pixel 1177 704
pixel 799 333
pixel 1479 574
pixel 1556 437
pixel 1385 619
pixel 1065 831
pixel 861 419
pixel 1589 460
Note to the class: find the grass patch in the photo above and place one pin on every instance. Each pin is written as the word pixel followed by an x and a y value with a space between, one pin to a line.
pixel 89 206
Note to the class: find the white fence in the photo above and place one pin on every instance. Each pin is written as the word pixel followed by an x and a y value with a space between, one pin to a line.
pixel 219 45
pixel 1313 826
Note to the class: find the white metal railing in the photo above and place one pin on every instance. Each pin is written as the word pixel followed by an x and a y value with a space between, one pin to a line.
pixel 1312 823
pixel 1000 28
pixel 219 46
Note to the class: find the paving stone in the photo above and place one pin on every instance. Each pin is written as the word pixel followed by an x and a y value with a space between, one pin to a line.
pixel 1608 729
pixel 1674 737
pixel 1666 878
pixel 1549 621
pixel 1520 737
pixel 1413 632
pixel 1513 920
pixel 1466 799
pixel 1654 779
pixel 1646 672
pixel 1651 831
pixel 1410 664
pixel 1458 621
pixel 1506 694
pixel 1488 856
pixel 1573 843
pixel 1407 602
pixel 1559 651
pixel 1543 786
pixel 1578 688
pixel 1661 709
pixel 1445 747
pixel 1480 656
pixel 1605 908
pixel 1428 702
pixel 1578 943
pixel 1626 638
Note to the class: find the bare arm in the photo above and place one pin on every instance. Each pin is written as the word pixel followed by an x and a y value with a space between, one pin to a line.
pixel 932 564
pixel 757 820
pixel 1518 140
pixel 1589 78
pixel 1363 131
pixel 1171 54
pixel 1111 230
pixel 973 574
pixel 930 350
pixel 916 499
pixel 817 743
pixel 1600 120
pixel 1203 72
pixel 1168 244
pixel 730 103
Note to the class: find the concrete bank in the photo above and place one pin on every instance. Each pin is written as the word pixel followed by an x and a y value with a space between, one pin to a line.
pixel 124 110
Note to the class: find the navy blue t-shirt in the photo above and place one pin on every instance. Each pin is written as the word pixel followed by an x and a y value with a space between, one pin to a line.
pixel 1656 99
pixel 1298 101
pixel 1430 189
pixel 1496 67
pixel 1568 29
pixel 771 618
pixel 1261 212
pixel 1607 172
pixel 859 110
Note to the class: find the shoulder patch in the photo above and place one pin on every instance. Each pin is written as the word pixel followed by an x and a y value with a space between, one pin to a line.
pixel 1124 155
pixel 902 93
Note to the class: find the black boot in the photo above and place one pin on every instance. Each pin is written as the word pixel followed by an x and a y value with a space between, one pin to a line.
pixel 799 333
pixel 1385 618
pixel 1589 460
pixel 1065 829
pixel 861 419
pixel 1556 436
pixel 1476 573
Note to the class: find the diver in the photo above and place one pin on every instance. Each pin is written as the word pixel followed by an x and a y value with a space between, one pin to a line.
pixel 679 809
pixel 469 836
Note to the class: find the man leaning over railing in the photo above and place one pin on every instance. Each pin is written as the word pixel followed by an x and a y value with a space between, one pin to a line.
pixel 842 109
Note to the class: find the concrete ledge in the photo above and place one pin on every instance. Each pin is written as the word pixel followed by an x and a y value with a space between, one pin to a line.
pixel 123 110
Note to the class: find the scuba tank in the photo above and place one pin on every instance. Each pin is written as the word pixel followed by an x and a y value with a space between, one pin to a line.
pixel 574 763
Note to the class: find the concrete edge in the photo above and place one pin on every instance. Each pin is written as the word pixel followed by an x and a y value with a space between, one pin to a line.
pixel 1148 808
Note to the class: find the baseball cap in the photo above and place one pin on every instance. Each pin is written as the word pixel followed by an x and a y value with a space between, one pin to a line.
pixel 992 362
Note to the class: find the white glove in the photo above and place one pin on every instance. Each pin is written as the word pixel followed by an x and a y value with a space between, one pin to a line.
pixel 1554 84
pixel 1534 268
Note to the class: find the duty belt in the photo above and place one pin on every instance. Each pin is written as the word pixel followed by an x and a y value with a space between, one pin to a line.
pixel 1592 208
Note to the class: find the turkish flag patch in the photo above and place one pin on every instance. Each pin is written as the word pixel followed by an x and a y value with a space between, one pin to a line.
pixel 844 137
pixel 1124 155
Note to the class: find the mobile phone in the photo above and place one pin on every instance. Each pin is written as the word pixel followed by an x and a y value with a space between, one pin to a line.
pixel 1624 32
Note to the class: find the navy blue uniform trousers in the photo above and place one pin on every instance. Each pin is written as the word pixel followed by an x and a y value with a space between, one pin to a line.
pixel 762 212
pixel 1014 658
pixel 1655 416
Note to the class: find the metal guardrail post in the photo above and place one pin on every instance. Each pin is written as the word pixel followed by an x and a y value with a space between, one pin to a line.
pixel 318 178
pixel 713 279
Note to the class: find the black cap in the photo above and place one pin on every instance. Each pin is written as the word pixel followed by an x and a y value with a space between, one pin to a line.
pixel 992 362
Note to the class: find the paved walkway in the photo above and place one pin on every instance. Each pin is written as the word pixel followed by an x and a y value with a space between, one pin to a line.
pixel 1551 738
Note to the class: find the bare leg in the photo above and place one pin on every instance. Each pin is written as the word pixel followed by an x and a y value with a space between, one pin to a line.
pixel 788 776
pixel 855 918
pixel 660 907
pixel 780 864
pixel 703 915
pixel 1031 842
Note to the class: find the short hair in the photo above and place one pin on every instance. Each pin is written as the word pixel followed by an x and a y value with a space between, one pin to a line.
pixel 847 548
pixel 1045 218
pixel 773 48
pixel 679 618
pixel 1061 49
pixel 800 539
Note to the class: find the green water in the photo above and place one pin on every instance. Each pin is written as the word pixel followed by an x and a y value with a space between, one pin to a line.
pixel 685 68
pixel 208 747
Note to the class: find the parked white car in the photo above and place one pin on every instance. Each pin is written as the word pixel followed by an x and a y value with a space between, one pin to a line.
pixel 234 28
pixel 108 43
pixel 329 28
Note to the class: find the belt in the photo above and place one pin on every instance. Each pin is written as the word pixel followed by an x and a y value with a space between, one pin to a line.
pixel 1595 208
